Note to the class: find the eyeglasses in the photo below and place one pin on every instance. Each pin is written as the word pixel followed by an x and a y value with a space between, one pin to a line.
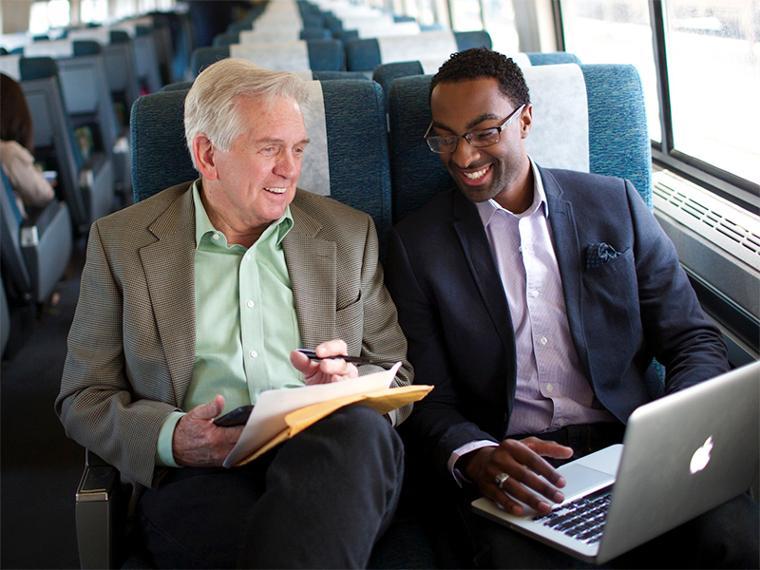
pixel 478 139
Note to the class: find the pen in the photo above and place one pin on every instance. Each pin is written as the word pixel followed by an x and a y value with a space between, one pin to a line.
pixel 353 359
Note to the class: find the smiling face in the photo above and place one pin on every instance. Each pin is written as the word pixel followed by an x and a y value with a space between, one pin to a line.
pixel 500 171
pixel 249 186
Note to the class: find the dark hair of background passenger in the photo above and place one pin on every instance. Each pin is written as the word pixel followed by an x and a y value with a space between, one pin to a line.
pixel 15 119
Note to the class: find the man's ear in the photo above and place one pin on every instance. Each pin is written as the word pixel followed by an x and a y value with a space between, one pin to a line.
pixel 526 120
pixel 203 152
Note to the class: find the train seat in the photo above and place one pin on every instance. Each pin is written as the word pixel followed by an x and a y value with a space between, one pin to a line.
pixel 89 103
pixel 36 250
pixel 367 53
pixel 299 55
pixel 87 184
pixel 614 141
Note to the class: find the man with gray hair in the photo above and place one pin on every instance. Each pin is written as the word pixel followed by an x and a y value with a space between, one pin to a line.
pixel 192 303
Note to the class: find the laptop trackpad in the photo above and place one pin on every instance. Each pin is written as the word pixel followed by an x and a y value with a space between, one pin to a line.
pixel 582 480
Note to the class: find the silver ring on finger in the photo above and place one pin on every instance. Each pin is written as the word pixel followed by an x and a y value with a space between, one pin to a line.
pixel 500 479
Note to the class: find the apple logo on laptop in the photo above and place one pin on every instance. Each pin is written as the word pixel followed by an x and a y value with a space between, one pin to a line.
pixel 701 456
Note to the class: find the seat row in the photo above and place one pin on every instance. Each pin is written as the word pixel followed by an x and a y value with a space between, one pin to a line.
pixel 382 165
pixel 586 117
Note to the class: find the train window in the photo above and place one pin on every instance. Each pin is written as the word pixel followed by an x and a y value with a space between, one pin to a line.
pixel 499 16
pixel 691 55
pixel 44 16
pixel 713 54
pixel 95 11
pixel 618 31
pixel 466 15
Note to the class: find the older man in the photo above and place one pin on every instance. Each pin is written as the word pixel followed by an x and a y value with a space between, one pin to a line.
pixel 192 303
pixel 535 299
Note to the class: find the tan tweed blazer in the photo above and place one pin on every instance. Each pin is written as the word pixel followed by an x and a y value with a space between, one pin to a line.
pixel 132 342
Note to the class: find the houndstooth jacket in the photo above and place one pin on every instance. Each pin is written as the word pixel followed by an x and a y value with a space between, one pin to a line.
pixel 131 346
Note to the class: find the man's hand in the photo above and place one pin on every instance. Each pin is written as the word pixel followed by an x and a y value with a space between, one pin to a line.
pixel 325 371
pixel 531 479
pixel 198 442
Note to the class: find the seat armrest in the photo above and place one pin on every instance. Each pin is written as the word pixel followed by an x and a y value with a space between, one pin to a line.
pixel 40 219
pixel 96 513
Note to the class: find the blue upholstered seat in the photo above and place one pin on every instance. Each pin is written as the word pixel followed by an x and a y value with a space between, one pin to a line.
pixel 618 142
pixel 354 117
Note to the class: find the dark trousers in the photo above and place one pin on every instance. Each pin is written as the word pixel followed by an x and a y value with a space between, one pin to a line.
pixel 724 537
pixel 320 500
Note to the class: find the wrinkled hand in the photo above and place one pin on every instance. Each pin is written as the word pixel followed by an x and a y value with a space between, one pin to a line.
pixel 531 479
pixel 325 371
pixel 198 442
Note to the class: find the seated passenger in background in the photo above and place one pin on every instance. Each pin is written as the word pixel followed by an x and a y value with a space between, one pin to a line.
pixel 191 304
pixel 534 300
pixel 16 146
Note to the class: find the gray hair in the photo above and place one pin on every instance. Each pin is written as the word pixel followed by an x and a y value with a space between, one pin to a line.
pixel 211 103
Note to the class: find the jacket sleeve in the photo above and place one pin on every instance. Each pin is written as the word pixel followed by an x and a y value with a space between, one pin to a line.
pixel 683 339
pixel 382 336
pixel 96 403
pixel 436 425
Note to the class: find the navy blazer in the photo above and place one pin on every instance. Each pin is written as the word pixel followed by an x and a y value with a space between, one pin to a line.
pixel 622 313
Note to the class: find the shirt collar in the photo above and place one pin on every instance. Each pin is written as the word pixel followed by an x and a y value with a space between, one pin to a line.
pixel 487 209
pixel 203 225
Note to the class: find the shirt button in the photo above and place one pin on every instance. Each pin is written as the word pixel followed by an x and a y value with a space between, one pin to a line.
pixel 250 304
pixel 533 293
pixel 253 354
pixel 549 388
pixel 543 340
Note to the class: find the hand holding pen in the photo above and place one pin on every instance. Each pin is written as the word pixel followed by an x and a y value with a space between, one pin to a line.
pixel 326 364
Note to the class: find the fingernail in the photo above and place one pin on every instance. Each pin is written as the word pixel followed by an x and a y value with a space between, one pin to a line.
pixel 544 507
pixel 561 481
pixel 558 497
pixel 517 510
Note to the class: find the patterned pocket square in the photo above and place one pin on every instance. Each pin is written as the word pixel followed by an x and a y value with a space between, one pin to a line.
pixel 599 253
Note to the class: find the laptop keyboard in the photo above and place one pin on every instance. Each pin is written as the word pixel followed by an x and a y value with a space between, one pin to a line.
pixel 582 519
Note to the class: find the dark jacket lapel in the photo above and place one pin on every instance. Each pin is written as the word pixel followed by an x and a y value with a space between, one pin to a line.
pixel 568 252
pixel 477 251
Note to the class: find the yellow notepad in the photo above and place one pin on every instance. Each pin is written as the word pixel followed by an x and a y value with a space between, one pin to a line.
pixel 281 414
pixel 383 401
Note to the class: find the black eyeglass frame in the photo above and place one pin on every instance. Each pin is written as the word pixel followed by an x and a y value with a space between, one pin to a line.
pixel 468 136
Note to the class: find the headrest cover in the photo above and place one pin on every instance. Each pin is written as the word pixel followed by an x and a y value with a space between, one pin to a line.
pixel 434 46
pixel 264 34
pixel 431 65
pixel 51 48
pixel 559 135
pixel 102 35
pixel 287 56
pixel 315 175
pixel 9 64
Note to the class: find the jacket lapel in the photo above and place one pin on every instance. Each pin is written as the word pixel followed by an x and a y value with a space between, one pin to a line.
pixel 477 251
pixel 169 271
pixel 312 270
pixel 568 251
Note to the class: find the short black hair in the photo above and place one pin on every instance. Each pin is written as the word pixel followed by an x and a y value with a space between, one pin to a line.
pixel 477 63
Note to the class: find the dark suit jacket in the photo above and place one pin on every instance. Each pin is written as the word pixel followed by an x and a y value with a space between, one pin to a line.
pixel 621 314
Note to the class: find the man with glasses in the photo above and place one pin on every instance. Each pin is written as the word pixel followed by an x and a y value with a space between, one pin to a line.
pixel 534 300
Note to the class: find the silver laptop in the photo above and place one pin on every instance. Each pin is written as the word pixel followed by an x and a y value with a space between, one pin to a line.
pixel 682 455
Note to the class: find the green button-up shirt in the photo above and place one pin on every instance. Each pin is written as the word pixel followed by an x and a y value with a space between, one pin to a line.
pixel 245 320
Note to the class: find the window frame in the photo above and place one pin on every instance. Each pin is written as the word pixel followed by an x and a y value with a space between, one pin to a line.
pixel 728 185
